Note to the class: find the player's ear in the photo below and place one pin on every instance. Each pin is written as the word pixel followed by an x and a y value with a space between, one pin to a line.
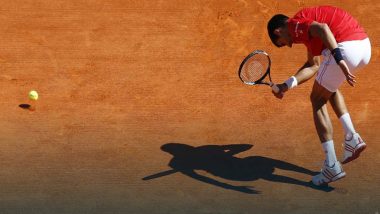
pixel 277 31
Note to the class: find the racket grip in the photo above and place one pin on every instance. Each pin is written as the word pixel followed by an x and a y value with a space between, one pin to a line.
pixel 274 87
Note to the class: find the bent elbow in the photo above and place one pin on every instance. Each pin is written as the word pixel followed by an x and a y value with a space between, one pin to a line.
pixel 325 27
pixel 316 68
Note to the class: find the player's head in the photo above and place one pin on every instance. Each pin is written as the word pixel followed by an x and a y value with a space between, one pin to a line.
pixel 278 31
pixel 177 149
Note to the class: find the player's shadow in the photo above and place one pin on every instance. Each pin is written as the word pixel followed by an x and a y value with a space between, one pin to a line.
pixel 219 160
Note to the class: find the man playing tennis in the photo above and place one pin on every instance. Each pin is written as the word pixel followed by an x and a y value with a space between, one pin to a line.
pixel 335 34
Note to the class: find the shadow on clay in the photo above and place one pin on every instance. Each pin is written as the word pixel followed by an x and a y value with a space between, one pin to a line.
pixel 219 160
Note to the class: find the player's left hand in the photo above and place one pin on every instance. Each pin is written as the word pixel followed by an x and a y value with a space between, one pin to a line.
pixel 349 76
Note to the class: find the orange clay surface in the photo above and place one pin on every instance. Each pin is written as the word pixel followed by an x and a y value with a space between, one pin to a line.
pixel 141 111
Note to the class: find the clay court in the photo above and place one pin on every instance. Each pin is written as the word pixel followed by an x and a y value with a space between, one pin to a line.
pixel 140 100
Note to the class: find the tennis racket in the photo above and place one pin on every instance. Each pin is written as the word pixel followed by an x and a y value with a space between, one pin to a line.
pixel 255 68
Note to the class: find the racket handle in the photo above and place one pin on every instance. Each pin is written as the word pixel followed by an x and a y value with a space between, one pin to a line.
pixel 274 87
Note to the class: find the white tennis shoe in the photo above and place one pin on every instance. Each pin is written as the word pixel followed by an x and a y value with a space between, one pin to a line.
pixel 329 174
pixel 353 148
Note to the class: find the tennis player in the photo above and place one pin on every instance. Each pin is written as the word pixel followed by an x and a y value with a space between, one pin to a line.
pixel 335 34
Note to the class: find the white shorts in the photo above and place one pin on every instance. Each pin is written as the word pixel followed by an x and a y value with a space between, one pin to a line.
pixel 356 54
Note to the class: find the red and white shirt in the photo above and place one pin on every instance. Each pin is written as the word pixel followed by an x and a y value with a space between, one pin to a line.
pixel 342 25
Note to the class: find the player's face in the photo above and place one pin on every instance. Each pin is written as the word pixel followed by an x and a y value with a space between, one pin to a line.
pixel 284 38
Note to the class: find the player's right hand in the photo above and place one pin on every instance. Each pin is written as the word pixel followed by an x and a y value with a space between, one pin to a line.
pixel 283 88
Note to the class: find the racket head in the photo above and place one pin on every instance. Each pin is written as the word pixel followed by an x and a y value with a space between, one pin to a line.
pixel 255 67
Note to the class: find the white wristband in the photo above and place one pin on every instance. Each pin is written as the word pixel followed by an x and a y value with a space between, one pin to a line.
pixel 291 82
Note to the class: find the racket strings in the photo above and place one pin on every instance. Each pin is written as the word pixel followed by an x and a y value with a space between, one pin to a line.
pixel 254 68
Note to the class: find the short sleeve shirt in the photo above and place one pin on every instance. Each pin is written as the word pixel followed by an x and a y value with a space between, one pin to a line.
pixel 342 25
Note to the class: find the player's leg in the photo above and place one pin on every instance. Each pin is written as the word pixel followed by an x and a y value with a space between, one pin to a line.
pixel 332 170
pixel 338 104
pixel 318 98
pixel 356 54
pixel 340 109
pixel 353 143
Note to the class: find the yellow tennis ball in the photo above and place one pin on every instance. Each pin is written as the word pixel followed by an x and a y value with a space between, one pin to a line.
pixel 33 95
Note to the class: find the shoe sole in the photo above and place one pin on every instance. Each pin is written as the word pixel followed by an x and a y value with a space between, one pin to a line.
pixel 337 177
pixel 356 154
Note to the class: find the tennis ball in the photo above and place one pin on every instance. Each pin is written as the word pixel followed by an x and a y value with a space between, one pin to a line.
pixel 33 95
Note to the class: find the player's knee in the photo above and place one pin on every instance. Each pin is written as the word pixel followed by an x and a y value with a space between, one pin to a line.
pixel 316 100
pixel 312 97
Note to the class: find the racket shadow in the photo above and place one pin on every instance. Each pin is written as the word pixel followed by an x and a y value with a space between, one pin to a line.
pixel 219 160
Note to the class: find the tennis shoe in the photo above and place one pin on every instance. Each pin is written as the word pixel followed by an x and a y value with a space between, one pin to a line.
pixel 329 174
pixel 353 148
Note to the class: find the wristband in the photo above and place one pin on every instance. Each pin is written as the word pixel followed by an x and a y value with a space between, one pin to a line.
pixel 291 82
pixel 337 55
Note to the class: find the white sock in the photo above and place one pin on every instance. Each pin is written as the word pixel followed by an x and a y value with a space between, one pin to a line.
pixel 349 130
pixel 328 147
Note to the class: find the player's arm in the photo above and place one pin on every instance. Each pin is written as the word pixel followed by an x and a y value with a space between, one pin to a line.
pixel 306 72
pixel 323 31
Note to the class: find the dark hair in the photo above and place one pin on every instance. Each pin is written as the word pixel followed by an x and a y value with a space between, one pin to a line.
pixel 277 21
